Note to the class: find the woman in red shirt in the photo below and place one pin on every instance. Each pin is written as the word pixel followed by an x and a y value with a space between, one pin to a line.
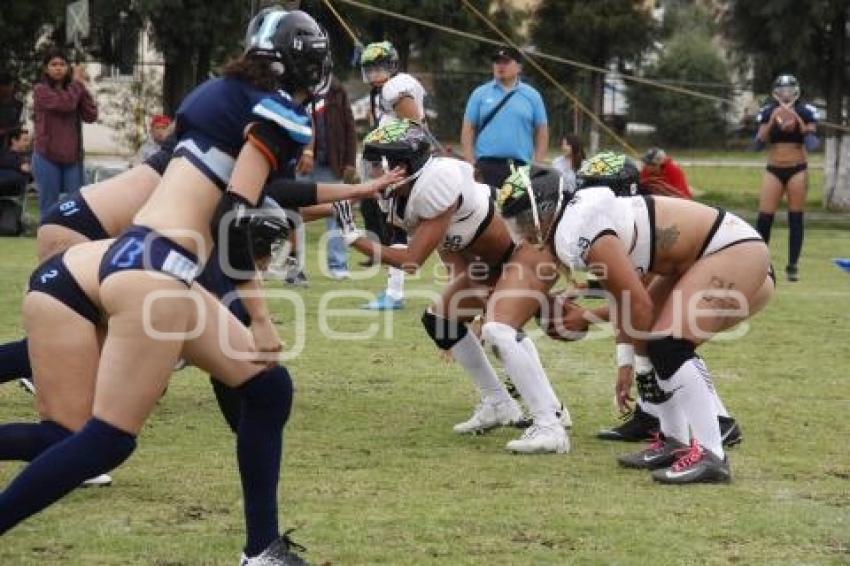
pixel 662 176
pixel 60 102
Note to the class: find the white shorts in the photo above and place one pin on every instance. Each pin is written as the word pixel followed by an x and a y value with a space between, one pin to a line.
pixel 728 230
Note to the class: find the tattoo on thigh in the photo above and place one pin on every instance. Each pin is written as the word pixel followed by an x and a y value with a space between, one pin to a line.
pixel 667 237
pixel 718 296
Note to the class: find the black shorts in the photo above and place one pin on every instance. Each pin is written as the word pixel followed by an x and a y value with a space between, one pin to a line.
pixel 784 174
pixel 213 279
pixel 142 248
pixel 53 278
pixel 159 160
pixel 75 214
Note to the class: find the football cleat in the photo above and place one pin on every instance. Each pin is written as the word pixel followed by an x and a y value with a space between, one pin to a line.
pixel 296 278
pixel 641 426
pixel 384 302
pixel 278 553
pixel 103 480
pixel 541 439
pixel 697 465
pixel 489 415
pixel 660 454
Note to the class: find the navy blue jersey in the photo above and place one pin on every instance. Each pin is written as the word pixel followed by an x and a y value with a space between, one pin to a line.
pixel 212 120
pixel 807 113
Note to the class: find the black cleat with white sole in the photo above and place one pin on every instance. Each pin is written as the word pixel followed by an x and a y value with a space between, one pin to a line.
pixel 641 426
pixel 660 454
pixel 698 465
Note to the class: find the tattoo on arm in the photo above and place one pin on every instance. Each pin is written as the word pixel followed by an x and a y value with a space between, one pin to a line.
pixel 667 237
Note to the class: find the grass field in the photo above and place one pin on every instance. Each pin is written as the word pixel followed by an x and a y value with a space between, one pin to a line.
pixel 374 475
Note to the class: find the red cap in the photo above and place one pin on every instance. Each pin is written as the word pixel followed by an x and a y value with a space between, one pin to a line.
pixel 160 121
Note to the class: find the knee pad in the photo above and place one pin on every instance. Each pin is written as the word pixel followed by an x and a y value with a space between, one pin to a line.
pixel 668 354
pixel 269 392
pixel 108 446
pixel 444 332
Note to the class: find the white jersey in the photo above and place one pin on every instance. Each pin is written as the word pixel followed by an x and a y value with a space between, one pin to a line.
pixel 444 182
pixel 399 86
pixel 597 211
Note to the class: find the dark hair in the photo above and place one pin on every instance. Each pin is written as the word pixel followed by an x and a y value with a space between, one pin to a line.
pixel 577 155
pixel 56 53
pixel 252 70
pixel 17 132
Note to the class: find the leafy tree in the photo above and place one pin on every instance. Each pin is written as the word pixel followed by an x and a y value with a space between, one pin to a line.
pixel 808 39
pixel 194 36
pixel 22 24
pixel 598 33
pixel 680 120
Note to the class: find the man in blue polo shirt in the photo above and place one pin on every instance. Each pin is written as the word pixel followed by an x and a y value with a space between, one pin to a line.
pixel 505 122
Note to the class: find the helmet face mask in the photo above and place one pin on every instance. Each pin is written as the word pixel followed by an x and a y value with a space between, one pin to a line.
pixel 297 47
pixel 397 143
pixel 378 62
pixel 786 89
pixel 530 200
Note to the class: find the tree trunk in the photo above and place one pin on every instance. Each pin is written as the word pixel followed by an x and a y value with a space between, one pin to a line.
pixel 598 91
pixel 177 80
pixel 836 194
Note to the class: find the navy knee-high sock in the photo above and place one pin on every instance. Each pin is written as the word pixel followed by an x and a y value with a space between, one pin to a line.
pixel 795 236
pixel 763 224
pixel 14 361
pixel 266 401
pixel 96 449
pixel 229 403
pixel 25 441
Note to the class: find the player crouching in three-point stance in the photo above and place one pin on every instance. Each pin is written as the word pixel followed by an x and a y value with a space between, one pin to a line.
pixel 713 271
pixel 446 210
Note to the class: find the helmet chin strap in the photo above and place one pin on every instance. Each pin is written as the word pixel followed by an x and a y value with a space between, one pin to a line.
pixel 385 165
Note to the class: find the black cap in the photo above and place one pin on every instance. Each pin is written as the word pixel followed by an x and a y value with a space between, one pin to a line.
pixel 506 53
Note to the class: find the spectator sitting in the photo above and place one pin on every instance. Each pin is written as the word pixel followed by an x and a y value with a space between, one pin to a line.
pixel 570 160
pixel 661 175
pixel 15 160
pixel 160 128
pixel 11 108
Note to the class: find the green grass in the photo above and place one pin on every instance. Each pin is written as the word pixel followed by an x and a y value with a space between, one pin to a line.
pixel 374 475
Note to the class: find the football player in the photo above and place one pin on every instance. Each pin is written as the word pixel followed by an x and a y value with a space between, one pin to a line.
pixel 708 278
pixel 787 127
pixel 446 210
pixel 393 95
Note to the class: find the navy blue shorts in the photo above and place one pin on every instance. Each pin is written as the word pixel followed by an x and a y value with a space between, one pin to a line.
pixel 53 278
pixel 141 248
pixel 216 282
pixel 159 160
pixel 75 214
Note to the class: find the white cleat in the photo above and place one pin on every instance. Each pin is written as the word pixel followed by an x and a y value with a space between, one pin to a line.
pixel 540 439
pixel 565 418
pixel 489 415
pixel 102 480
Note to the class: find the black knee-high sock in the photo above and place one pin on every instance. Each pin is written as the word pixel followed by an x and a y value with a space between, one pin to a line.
pixel 14 361
pixel 763 225
pixel 795 236
pixel 229 403
pixel 25 441
pixel 96 449
pixel 266 402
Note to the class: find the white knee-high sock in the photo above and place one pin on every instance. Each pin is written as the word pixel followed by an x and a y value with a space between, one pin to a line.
pixel 470 355
pixel 523 367
pixel 671 418
pixel 395 280
pixel 692 391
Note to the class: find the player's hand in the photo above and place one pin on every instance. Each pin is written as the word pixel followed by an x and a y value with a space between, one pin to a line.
pixel 374 187
pixel 305 164
pixel 267 342
pixel 622 392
